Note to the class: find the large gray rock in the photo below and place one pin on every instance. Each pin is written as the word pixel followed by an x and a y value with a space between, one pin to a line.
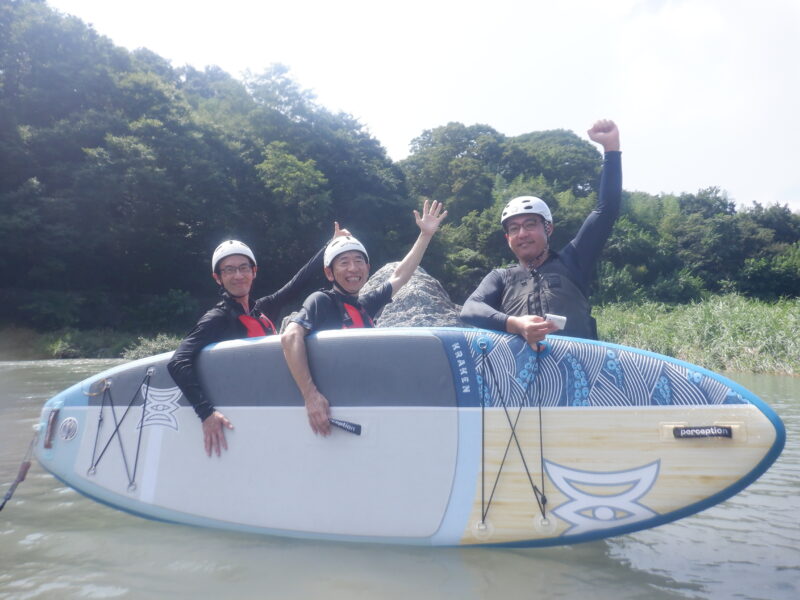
pixel 422 302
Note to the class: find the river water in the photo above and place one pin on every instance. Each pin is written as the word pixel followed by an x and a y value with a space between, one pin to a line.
pixel 54 543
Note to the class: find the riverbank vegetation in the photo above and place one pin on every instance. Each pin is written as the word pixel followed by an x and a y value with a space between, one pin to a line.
pixel 120 174
pixel 22 343
pixel 722 333
pixel 18 343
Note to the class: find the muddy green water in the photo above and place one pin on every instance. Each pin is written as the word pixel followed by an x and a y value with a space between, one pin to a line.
pixel 54 543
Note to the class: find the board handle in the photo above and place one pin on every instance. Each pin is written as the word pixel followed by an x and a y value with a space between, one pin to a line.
pixel 51 428
pixel 349 427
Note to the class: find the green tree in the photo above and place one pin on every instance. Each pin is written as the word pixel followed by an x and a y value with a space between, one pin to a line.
pixel 707 203
pixel 367 191
pixel 566 161
pixel 455 164
pixel 773 277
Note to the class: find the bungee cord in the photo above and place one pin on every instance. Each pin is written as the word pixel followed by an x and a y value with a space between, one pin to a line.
pixel 109 400
pixel 541 499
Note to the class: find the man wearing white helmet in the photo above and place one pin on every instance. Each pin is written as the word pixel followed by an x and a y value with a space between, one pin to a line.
pixel 516 299
pixel 233 267
pixel 346 266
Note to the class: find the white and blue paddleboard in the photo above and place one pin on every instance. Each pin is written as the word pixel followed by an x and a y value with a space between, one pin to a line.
pixel 466 437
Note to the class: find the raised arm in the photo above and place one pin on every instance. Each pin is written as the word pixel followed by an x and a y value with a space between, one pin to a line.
pixel 588 243
pixel 428 224
pixel 272 305
pixel 605 133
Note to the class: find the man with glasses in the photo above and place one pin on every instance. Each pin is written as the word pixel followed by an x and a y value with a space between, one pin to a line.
pixel 516 299
pixel 236 316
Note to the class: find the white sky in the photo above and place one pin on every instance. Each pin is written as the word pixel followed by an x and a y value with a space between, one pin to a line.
pixel 705 92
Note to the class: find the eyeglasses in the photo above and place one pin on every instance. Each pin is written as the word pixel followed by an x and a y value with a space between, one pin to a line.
pixel 529 225
pixel 244 269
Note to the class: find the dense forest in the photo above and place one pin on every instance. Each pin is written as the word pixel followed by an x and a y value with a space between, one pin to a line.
pixel 119 174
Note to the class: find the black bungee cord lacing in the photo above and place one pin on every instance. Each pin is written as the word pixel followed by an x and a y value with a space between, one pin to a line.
pixel 541 499
pixel 539 351
pixel 108 399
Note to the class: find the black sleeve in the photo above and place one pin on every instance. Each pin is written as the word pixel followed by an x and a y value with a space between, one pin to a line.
pixel 483 307
pixel 273 304
pixel 316 310
pixel 596 229
pixel 209 329
pixel 377 299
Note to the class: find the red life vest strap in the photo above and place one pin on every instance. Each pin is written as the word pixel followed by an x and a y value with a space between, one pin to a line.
pixel 357 317
pixel 257 327
pixel 353 315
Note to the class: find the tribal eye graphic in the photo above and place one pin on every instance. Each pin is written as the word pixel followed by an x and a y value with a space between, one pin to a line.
pixel 160 406
pixel 601 500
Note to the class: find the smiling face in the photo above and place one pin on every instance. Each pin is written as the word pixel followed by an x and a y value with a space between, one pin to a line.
pixel 349 271
pixel 527 237
pixel 236 274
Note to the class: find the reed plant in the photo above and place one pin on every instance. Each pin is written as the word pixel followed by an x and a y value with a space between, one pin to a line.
pixel 149 346
pixel 722 333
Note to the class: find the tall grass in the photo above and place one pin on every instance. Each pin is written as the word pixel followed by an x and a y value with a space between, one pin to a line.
pixel 721 333
pixel 144 346
pixel 21 343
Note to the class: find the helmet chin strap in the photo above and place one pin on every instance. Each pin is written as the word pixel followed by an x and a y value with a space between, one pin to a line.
pixel 537 261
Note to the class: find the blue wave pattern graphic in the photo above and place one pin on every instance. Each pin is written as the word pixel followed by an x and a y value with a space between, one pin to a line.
pixel 569 373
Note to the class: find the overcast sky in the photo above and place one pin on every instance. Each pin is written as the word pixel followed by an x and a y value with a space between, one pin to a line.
pixel 705 92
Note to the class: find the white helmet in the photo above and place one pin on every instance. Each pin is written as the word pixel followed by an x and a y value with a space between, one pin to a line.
pixel 342 244
pixel 229 248
pixel 525 205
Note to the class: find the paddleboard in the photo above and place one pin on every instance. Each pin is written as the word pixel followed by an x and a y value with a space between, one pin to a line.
pixel 458 437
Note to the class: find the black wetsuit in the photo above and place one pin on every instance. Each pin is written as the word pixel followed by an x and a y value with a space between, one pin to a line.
pixel 225 322
pixel 561 284
pixel 325 309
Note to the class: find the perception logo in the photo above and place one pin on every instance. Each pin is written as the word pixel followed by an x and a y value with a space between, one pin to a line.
pixel 595 500
pixel 160 406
